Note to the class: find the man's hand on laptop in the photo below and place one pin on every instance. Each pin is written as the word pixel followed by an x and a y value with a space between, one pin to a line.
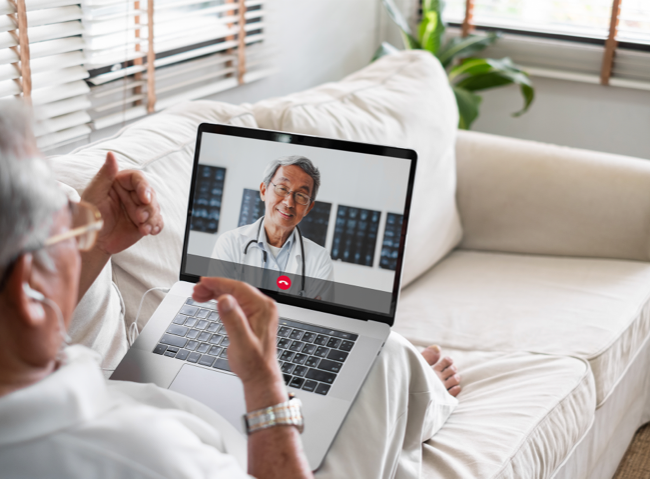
pixel 251 320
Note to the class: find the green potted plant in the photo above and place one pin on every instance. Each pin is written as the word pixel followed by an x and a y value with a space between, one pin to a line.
pixel 467 74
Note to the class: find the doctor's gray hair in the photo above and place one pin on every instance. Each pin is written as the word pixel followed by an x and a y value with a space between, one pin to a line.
pixel 29 194
pixel 304 163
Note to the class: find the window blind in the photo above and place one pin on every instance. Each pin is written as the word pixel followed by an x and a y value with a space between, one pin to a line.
pixel 196 48
pixel 591 23
pixel 41 58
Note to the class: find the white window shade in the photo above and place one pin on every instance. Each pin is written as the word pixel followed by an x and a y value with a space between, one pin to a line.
pixel 569 38
pixel 199 48
pixel 55 78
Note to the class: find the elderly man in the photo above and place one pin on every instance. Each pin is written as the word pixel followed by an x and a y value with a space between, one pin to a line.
pixel 288 190
pixel 60 418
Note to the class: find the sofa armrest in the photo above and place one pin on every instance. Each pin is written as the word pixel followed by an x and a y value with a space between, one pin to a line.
pixel 533 198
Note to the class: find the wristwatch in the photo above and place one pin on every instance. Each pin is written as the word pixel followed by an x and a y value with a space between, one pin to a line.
pixel 288 413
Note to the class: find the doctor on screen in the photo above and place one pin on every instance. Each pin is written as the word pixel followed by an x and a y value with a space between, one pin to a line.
pixel 274 242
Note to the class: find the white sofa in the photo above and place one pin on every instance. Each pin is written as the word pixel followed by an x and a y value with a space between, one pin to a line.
pixel 528 263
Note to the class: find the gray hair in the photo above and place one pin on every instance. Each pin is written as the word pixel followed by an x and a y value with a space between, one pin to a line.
pixel 304 163
pixel 29 194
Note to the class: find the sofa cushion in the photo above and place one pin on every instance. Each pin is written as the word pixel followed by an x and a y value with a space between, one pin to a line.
pixel 400 100
pixel 519 415
pixel 595 309
pixel 163 147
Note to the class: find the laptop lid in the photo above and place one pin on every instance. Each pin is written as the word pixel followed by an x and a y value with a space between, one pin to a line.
pixel 256 210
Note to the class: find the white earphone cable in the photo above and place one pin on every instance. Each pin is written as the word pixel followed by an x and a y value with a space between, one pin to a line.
pixel 133 331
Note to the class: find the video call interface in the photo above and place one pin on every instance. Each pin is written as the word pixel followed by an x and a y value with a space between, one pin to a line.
pixel 349 234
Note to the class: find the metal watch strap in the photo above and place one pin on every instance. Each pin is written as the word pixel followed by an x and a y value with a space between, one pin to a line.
pixel 288 413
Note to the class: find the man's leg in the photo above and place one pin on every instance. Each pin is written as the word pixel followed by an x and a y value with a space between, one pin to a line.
pixel 401 404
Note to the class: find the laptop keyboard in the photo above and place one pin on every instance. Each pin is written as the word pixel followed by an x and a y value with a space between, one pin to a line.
pixel 310 356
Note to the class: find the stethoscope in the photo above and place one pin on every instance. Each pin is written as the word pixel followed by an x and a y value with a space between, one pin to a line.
pixel 265 257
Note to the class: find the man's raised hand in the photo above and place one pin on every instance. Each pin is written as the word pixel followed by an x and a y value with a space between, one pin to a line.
pixel 128 206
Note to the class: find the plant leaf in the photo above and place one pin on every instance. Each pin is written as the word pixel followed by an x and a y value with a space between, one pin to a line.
pixel 528 92
pixel 431 32
pixel 384 49
pixel 468 104
pixel 407 35
pixel 464 47
pixel 432 6
pixel 471 66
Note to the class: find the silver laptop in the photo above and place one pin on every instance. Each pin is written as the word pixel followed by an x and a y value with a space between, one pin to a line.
pixel 336 306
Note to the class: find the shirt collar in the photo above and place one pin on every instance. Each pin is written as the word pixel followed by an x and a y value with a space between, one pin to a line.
pixel 69 396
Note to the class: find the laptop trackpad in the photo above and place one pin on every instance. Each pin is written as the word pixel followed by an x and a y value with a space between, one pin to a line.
pixel 224 393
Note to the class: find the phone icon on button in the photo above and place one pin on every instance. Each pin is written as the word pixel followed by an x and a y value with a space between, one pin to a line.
pixel 283 282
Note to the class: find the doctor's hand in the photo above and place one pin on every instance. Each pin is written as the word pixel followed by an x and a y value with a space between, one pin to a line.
pixel 128 206
pixel 251 320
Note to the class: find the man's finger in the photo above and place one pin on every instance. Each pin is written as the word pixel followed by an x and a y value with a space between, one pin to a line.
pixel 102 182
pixel 235 321
pixel 212 288
pixel 135 181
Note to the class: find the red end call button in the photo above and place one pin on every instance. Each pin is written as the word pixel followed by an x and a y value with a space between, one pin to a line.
pixel 283 282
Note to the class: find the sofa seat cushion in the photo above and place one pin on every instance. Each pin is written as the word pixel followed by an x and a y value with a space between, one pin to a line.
pixel 519 415
pixel 162 146
pixel 400 100
pixel 595 309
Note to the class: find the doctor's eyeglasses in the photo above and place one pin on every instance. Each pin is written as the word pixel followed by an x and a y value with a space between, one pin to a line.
pixel 283 191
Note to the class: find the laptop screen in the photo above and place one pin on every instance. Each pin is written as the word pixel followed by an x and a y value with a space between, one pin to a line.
pixel 312 222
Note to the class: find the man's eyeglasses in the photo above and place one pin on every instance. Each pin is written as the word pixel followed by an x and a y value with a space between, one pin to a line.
pixel 86 224
pixel 283 191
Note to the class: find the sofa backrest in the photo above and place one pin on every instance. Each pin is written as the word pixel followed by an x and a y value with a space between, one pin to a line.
pixel 521 196
pixel 400 100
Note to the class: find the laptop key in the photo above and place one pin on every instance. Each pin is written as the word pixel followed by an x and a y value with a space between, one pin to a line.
pixel 331 366
pixel 189 310
pixel 309 386
pixel 279 353
pixel 284 343
pixel 215 351
pixel 295 346
pixel 226 341
pixel 204 336
pixel 337 355
pixel 300 371
pixel 300 358
pixel 221 363
pixel 287 378
pixel 321 352
pixel 322 389
pixel 213 327
pixel 179 319
pixel 193 334
pixel 334 343
pixel 177 330
pixel 172 340
pixel 203 313
pixel 284 332
pixel 224 353
pixel 190 322
pixel 321 340
pixel 160 349
pixel 296 382
pixel 170 354
pixel 312 362
pixel 173 349
pixel 203 348
pixel 214 316
pixel 309 337
pixel 296 334
pixel 215 339
pixel 321 376
pixel 182 354
pixel 346 345
pixel 206 360
pixel 287 356
pixel 309 348
pixel 193 357
pixel 191 345
pixel 286 367
pixel 202 324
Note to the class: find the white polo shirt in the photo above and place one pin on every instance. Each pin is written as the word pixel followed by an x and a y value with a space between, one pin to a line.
pixel 75 424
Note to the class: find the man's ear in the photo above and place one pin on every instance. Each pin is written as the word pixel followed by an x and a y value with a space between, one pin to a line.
pixel 29 310
pixel 311 207
pixel 262 190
